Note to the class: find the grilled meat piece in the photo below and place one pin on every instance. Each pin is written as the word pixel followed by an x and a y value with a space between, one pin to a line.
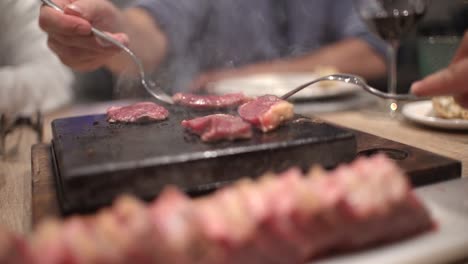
pixel 219 127
pixel 137 113
pixel 205 102
pixel 266 112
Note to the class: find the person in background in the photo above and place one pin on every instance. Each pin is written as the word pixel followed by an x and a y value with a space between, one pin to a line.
pixel 31 76
pixel 190 43
pixel 449 81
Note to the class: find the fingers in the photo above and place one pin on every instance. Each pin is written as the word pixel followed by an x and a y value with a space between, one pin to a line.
pixel 89 42
pixel 79 58
pixel 70 33
pixel 451 80
pixel 55 22
pixel 90 10
pixel 81 42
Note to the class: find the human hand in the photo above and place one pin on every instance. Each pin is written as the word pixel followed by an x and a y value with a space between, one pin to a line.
pixel 452 80
pixel 70 36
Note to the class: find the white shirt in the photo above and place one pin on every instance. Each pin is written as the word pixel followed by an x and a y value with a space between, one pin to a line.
pixel 31 76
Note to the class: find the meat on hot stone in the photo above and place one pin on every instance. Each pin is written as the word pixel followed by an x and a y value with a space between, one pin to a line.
pixel 267 112
pixel 204 102
pixel 137 113
pixel 219 127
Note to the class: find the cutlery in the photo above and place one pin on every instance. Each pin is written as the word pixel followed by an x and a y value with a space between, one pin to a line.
pixel 353 79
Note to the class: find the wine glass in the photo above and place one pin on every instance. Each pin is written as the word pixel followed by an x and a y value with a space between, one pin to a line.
pixel 391 20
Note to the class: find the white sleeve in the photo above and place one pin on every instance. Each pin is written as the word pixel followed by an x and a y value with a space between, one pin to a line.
pixel 31 76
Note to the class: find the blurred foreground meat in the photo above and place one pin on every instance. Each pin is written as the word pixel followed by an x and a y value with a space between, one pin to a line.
pixel 283 218
pixel 13 249
pixel 267 112
pixel 219 127
pixel 205 102
pixel 137 113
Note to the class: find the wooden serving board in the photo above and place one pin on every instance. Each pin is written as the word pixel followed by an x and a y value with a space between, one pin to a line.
pixel 422 167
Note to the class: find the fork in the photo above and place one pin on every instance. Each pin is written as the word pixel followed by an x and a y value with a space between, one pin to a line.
pixel 353 79
pixel 150 87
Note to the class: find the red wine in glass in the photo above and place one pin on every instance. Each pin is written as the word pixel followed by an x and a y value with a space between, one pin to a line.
pixel 395 26
pixel 391 20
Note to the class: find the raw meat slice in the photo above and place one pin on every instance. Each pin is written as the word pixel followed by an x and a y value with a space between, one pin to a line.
pixel 267 112
pixel 137 113
pixel 13 249
pixel 219 127
pixel 204 102
pixel 282 218
pixel 172 227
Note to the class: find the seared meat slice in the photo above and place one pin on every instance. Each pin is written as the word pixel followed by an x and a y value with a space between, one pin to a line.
pixel 13 249
pixel 135 225
pixel 282 218
pixel 266 112
pixel 204 102
pixel 47 244
pixel 219 127
pixel 137 113
pixel 174 231
pixel 367 211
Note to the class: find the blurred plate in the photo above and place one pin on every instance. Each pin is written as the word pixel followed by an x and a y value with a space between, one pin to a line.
pixel 422 113
pixel 279 84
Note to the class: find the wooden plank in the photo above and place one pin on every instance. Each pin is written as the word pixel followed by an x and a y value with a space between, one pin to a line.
pixel 449 143
pixel 15 180
pixel 44 202
pixel 422 167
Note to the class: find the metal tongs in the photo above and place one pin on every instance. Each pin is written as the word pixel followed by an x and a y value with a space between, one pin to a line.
pixel 150 87
pixel 353 79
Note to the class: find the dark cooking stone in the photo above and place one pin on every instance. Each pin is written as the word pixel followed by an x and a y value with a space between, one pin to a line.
pixel 96 161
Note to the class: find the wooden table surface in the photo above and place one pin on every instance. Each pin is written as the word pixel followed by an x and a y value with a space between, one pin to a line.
pixel 452 144
pixel 15 169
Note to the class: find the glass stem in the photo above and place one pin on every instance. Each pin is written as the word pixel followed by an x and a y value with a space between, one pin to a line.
pixel 392 48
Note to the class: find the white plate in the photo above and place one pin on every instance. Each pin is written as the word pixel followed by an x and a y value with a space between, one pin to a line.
pixel 279 84
pixel 422 113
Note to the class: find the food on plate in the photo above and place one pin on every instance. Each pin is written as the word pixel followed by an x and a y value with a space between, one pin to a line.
pixel 219 127
pixel 205 102
pixel 137 113
pixel 280 218
pixel 446 107
pixel 267 112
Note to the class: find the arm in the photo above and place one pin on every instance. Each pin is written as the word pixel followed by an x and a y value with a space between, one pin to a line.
pixel 32 77
pixel 343 55
pixel 346 43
